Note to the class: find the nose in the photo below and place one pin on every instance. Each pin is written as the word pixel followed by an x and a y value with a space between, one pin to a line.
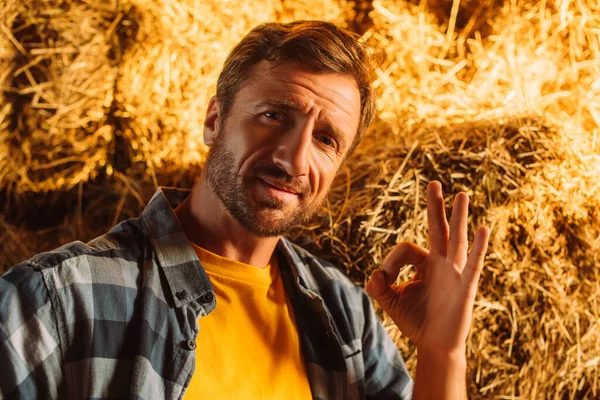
pixel 293 151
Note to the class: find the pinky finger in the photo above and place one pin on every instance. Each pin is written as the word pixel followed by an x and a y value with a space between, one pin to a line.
pixel 476 256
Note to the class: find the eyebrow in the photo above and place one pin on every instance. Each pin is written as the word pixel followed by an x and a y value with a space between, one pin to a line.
pixel 291 105
pixel 283 103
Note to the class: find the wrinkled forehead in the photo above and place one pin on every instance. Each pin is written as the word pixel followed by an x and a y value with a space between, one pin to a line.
pixel 300 87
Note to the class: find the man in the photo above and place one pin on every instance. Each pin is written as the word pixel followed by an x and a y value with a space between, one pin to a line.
pixel 209 299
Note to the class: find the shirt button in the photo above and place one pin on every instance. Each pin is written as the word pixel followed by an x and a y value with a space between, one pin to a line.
pixel 181 294
pixel 207 297
pixel 189 344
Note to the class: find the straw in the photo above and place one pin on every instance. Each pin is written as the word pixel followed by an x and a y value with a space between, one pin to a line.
pixel 62 84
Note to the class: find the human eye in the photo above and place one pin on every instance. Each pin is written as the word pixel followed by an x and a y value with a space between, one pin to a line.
pixel 327 141
pixel 272 115
pixel 273 119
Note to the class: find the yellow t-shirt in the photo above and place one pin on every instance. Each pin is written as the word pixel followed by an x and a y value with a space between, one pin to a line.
pixel 247 347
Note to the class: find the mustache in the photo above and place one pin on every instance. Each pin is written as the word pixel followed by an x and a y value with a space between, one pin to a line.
pixel 298 185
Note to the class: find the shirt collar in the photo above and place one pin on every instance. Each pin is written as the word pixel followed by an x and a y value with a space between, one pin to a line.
pixel 185 275
pixel 297 258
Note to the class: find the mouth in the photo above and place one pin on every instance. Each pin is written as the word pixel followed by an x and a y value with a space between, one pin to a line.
pixel 278 192
pixel 279 186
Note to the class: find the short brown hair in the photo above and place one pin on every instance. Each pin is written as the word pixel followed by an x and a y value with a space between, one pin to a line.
pixel 319 45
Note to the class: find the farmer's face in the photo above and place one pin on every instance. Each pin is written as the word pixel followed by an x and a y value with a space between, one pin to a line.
pixel 274 156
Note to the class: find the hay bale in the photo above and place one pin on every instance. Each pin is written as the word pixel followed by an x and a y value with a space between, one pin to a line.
pixel 62 87
pixel 416 80
pixel 542 337
pixel 534 334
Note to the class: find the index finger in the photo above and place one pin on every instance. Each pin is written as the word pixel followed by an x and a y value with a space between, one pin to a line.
pixel 403 254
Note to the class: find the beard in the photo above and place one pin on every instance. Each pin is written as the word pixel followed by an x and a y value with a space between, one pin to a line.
pixel 265 217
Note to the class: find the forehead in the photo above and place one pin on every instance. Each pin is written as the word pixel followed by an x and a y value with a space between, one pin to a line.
pixel 331 95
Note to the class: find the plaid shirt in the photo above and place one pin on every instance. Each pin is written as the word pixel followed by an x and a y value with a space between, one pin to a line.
pixel 118 318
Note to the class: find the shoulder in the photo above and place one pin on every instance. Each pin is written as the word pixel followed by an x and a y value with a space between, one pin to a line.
pixel 122 241
pixel 78 262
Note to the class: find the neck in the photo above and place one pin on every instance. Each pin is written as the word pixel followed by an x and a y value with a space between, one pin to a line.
pixel 208 224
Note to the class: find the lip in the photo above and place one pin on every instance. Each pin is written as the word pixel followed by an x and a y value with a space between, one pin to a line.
pixel 279 186
pixel 274 192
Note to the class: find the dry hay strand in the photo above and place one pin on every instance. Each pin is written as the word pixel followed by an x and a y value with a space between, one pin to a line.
pixel 338 11
pixel 463 17
pixel 169 74
pixel 62 88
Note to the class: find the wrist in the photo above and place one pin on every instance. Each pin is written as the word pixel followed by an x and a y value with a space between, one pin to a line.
pixel 455 356
pixel 447 368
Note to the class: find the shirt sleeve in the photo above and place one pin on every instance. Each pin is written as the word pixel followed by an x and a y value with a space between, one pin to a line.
pixel 386 376
pixel 30 357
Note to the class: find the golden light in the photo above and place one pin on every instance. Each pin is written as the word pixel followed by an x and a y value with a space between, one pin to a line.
pixel 101 102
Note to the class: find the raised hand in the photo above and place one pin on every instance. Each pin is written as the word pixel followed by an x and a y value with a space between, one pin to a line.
pixel 434 308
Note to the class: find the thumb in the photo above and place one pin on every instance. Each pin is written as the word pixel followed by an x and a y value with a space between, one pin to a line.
pixel 379 285
pixel 379 289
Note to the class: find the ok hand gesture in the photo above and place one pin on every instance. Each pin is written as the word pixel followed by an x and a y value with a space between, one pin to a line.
pixel 435 306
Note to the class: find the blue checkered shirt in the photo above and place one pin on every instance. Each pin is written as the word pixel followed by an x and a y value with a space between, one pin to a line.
pixel 118 318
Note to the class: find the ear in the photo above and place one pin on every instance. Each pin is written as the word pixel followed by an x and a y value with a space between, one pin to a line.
pixel 212 121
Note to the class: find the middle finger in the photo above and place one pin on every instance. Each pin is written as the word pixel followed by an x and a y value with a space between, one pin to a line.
pixel 458 243
pixel 436 217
